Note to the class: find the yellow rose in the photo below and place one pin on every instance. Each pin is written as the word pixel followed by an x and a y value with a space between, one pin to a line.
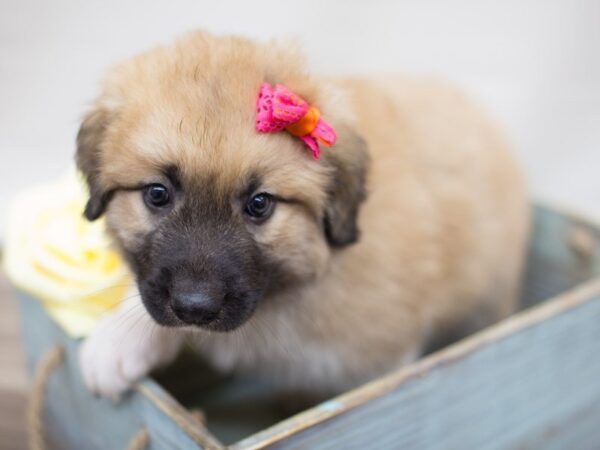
pixel 53 253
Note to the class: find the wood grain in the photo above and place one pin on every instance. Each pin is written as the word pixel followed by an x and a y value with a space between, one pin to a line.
pixel 13 376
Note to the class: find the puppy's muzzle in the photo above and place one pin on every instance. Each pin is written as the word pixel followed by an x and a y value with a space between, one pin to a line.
pixel 201 272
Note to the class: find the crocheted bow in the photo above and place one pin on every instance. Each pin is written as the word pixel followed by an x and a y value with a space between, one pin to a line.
pixel 278 109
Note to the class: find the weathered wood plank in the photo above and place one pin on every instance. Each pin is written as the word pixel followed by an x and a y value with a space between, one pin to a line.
pixel 564 252
pixel 515 385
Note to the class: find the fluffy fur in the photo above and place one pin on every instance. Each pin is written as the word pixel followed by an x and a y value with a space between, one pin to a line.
pixel 342 288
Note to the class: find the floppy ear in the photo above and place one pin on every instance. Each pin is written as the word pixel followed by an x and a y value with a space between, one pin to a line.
pixel 89 142
pixel 349 159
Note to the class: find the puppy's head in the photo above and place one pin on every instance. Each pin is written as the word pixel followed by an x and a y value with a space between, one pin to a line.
pixel 211 215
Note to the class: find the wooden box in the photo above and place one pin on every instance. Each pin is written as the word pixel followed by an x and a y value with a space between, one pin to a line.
pixel 531 381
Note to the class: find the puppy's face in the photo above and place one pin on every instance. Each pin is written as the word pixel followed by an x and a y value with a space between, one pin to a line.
pixel 212 216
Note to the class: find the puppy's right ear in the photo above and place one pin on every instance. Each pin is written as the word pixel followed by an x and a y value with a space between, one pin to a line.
pixel 89 146
pixel 349 159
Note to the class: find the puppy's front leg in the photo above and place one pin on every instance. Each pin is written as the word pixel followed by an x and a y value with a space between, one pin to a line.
pixel 124 347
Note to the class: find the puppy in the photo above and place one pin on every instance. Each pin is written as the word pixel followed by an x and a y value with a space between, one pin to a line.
pixel 319 274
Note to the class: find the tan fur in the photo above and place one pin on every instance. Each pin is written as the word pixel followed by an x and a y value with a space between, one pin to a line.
pixel 443 229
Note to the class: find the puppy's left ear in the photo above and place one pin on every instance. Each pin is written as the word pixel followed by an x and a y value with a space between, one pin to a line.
pixel 349 159
pixel 89 146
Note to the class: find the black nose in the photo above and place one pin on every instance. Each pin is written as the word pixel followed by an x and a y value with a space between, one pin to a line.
pixel 196 305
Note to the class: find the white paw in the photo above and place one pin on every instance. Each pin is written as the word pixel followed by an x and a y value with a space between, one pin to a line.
pixel 124 347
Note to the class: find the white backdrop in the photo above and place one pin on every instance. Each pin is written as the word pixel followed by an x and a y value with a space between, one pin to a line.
pixel 534 63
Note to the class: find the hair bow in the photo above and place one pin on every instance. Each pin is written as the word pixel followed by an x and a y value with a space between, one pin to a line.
pixel 278 108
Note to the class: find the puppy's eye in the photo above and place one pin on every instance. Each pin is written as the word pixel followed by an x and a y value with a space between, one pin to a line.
pixel 260 207
pixel 156 195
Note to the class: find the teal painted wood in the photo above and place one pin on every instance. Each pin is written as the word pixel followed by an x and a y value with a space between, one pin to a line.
pixel 530 389
pixel 75 419
pixel 555 263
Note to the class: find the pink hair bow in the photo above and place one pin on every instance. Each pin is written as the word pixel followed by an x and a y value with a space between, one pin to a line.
pixel 278 108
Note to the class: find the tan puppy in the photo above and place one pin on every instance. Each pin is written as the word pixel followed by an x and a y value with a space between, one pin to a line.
pixel 273 262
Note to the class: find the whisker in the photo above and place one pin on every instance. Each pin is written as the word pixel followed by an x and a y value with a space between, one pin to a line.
pixel 124 317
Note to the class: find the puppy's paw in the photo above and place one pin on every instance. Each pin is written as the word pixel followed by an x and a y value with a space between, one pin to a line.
pixel 124 347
